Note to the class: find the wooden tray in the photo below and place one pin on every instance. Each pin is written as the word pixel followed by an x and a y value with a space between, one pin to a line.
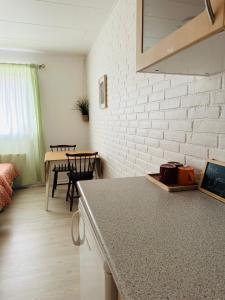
pixel 172 187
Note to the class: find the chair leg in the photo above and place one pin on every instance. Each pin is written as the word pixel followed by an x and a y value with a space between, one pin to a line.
pixel 68 190
pixel 77 189
pixel 71 197
pixel 54 183
pixel 56 180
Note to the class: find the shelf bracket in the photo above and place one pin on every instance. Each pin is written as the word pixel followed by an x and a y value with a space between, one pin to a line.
pixel 210 11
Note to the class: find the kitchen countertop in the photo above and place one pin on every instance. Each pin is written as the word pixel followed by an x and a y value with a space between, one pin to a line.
pixel 158 245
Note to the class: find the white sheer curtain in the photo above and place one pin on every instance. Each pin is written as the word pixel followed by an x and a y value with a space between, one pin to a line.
pixel 20 120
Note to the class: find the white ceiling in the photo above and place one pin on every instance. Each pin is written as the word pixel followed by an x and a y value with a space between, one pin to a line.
pixel 69 26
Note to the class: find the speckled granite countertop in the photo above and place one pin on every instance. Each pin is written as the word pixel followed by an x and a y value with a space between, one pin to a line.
pixel 159 245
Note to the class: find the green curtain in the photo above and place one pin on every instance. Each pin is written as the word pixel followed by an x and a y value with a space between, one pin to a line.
pixel 39 149
pixel 21 134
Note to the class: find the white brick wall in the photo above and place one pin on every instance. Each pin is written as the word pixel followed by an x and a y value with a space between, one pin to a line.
pixel 151 118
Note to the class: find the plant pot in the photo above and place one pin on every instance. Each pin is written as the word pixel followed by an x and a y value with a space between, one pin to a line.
pixel 85 118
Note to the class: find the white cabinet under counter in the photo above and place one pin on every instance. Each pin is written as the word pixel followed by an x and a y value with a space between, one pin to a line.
pixel 181 36
pixel 96 280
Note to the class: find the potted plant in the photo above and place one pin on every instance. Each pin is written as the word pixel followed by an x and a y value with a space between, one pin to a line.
pixel 82 105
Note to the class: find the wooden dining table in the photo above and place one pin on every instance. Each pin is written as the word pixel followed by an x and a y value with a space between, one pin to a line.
pixel 52 158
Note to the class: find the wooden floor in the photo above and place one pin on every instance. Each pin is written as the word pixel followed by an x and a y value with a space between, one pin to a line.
pixel 37 258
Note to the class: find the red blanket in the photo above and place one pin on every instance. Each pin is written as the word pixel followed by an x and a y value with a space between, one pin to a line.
pixel 7 175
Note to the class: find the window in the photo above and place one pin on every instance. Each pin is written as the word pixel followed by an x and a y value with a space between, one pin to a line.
pixel 20 118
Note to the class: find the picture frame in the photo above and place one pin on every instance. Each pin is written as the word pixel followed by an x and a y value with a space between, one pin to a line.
pixel 212 180
pixel 102 84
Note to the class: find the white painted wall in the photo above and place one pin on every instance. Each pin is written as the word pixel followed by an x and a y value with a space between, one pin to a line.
pixel 61 82
pixel 151 119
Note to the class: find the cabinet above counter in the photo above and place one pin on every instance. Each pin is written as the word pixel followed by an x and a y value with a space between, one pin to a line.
pixel 181 36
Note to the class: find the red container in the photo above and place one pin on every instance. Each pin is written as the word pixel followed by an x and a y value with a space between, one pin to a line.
pixel 168 173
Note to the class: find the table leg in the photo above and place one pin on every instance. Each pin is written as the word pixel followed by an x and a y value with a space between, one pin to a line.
pixel 47 179
pixel 96 176
pixel 98 169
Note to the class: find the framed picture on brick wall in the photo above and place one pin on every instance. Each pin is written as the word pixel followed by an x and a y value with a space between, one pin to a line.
pixel 102 83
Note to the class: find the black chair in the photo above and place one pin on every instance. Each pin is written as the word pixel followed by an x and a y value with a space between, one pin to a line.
pixel 60 168
pixel 82 167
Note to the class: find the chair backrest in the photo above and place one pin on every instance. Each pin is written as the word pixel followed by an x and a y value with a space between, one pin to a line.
pixel 82 163
pixel 58 148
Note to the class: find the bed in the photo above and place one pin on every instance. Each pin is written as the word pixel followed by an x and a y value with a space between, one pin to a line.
pixel 7 175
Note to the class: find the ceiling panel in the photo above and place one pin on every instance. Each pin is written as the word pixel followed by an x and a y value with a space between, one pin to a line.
pixel 98 4
pixel 71 24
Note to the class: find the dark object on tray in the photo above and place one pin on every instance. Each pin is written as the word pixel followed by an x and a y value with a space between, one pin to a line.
pixel 155 178
pixel 168 173
pixel 176 163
